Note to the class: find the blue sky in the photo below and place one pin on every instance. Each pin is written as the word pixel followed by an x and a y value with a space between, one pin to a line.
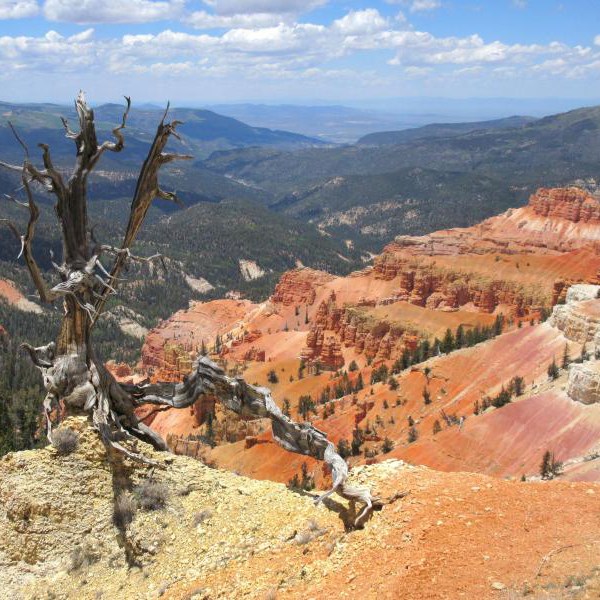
pixel 298 50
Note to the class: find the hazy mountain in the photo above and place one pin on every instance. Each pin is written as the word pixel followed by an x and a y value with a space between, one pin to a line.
pixel 436 130
pixel 448 180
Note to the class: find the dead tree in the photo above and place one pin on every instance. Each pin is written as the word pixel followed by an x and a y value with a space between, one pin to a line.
pixel 75 378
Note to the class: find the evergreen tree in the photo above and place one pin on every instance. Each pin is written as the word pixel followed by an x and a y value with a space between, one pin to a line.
pixel 498 325
pixel 413 435
pixel 553 372
pixel 426 396
pixel 550 467
pixel 566 359
pixel 436 427
pixel 359 383
pixel 353 366
pixel 343 448
pixel 387 446
pixel 447 344
pixel 460 341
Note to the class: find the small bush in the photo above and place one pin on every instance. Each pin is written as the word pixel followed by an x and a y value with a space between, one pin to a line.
pixel 65 441
pixel 124 510
pixel 151 495
pixel 202 516
pixel 83 556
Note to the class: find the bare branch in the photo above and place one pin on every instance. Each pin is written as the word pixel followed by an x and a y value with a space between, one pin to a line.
pixel 147 189
pixel 247 400
pixel 69 133
pixel 21 142
pixel 45 294
pixel 113 146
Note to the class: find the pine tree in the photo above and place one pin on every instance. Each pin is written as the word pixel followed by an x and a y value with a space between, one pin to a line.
pixel 413 435
pixel 447 344
pixel 286 407
pixel 550 467
pixel 352 366
pixel 436 427
pixel 460 337
pixel 359 383
pixel 498 324
pixel 566 359
pixel 343 448
pixel 553 372
pixel 426 396
pixel 387 446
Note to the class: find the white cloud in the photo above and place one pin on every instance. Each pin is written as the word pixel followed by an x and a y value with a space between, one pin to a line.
pixel 360 22
pixel 258 47
pixel 204 20
pixel 112 11
pixel 278 7
pixel 18 9
pixel 424 5
pixel 418 5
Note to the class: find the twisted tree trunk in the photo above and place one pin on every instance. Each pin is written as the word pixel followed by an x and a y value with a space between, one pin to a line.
pixel 74 377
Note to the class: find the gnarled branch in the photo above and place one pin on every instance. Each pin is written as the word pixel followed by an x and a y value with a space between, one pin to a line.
pixel 147 189
pixel 249 401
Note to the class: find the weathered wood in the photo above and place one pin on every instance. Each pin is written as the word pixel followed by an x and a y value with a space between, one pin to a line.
pixel 74 377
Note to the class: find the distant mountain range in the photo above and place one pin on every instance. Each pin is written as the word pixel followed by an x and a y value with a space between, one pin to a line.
pixel 421 179
pixel 437 130
pixel 279 198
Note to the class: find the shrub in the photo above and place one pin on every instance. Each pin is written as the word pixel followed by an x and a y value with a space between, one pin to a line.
pixel 151 495
pixel 343 448
pixel 426 396
pixel 272 376
pixel 387 446
pixel 413 435
pixel 83 556
pixel 65 441
pixel 202 516
pixel 124 510
pixel 553 370
pixel 550 467
pixel 436 427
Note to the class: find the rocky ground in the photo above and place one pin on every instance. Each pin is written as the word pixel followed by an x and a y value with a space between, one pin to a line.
pixel 220 535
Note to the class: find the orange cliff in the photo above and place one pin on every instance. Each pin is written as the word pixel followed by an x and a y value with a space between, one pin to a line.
pixel 516 264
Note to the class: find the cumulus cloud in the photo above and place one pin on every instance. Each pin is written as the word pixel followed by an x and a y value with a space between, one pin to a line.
pixel 418 5
pixel 360 22
pixel 112 11
pixel 259 46
pixel 18 9
pixel 230 14
pixel 204 20
pixel 278 7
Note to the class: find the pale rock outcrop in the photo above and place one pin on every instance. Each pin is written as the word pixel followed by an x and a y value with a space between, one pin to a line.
pixel 580 322
pixel 250 269
pixel 584 382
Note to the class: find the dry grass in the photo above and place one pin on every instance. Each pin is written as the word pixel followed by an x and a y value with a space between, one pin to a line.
pixel 65 441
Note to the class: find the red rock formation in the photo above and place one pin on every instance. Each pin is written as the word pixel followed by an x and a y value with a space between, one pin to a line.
pixel 255 354
pixel 299 286
pixel 331 355
pixel 572 204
